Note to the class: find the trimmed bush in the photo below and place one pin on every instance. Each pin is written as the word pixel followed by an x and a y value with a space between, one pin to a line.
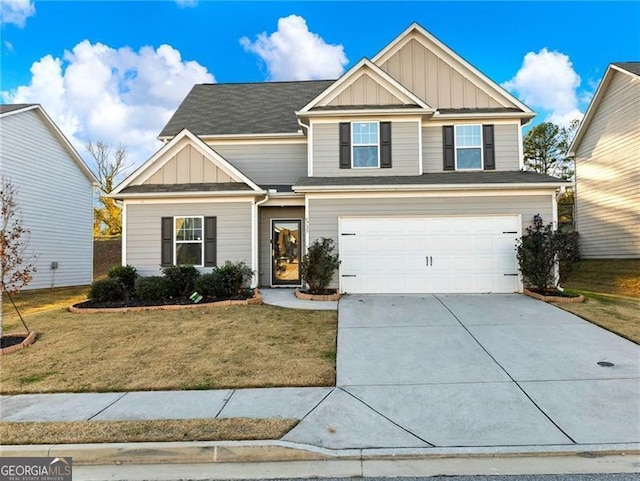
pixel 319 264
pixel 152 289
pixel 107 290
pixel 182 280
pixel 568 252
pixel 127 276
pixel 207 284
pixel 230 279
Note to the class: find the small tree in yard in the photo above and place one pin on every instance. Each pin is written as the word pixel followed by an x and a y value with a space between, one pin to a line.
pixel 319 264
pixel 540 251
pixel 15 271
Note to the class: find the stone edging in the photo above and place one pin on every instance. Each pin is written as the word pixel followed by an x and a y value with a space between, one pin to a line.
pixel 316 297
pixel 31 337
pixel 559 299
pixel 256 299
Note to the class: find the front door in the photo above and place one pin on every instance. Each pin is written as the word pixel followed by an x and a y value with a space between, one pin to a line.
pixel 285 252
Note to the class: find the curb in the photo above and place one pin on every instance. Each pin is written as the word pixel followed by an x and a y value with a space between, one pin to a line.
pixel 283 451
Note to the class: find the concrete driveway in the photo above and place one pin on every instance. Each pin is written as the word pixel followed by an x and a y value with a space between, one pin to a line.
pixel 474 370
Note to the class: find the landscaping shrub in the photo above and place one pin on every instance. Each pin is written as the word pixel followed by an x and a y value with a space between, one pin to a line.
pixel 182 280
pixel 230 279
pixel 127 276
pixel 206 285
pixel 152 289
pixel 568 252
pixel 107 290
pixel 319 264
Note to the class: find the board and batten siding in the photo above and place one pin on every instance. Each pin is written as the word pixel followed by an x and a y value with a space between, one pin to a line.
pixel 506 141
pixel 189 166
pixel 365 91
pixel 267 214
pixel 143 234
pixel 323 214
pixel 404 151
pixel 267 163
pixel 608 174
pixel 425 73
pixel 55 199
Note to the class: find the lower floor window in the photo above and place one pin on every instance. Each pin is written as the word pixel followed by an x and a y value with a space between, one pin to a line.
pixel 188 241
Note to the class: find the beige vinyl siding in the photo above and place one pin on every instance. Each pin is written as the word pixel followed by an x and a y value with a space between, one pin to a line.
pixel 55 199
pixel 323 214
pixel 189 166
pixel 366 91
pixel 267 163
pixel 404 151
pixel 424 72
pixel 144 230
pixel 608 174
pixel 506 147
pixel 267 214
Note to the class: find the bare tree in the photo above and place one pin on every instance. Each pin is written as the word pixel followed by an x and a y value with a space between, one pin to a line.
pixel 15 270
pixel 107 220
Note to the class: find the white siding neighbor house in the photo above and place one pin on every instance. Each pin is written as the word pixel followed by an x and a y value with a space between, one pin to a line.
pixel 606 149
pixel 54 195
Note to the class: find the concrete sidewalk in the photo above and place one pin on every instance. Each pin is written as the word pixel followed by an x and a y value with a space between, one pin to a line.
pixel 284 297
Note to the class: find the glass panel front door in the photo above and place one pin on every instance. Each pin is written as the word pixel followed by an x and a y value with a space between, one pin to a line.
pixel 285 252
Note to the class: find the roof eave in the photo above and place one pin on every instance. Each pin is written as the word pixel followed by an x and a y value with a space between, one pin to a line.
pixel 423 187
pixel 280 135
pixel 363 112
pixel 175 195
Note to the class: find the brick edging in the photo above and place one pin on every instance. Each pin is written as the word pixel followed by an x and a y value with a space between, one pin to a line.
pixel 256 299
pixel 316 297
pixel 27 341
pixel 558 299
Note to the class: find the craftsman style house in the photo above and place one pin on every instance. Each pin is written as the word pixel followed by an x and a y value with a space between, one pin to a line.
pixel 411 161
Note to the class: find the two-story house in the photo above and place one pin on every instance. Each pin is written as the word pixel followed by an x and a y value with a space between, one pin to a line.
pixel 411 161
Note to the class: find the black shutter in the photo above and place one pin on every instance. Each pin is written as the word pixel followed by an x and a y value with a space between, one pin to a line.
pixel 385 145
pixel 210 246
pixel 345 145
pixel 448 145
pixel 488 147
pixel 166 246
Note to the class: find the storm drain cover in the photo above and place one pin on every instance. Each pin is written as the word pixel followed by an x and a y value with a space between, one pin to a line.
pixel 605 364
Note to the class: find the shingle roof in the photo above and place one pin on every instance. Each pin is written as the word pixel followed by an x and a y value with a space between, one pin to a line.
pixel 437 178
pixel 633 67
pixel 245 108
pixel 4 108
pixel 205 187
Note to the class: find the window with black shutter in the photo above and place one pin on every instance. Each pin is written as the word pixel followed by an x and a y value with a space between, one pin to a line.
pixel 188 240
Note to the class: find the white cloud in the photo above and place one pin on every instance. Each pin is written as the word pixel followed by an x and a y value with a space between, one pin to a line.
pixel 295 53
pixel 547 81
pixel 186 3
pixel 95 92
pixel 8 45
pixel 16 12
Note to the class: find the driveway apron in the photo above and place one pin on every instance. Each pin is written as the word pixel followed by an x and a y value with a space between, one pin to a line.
pixel 474 370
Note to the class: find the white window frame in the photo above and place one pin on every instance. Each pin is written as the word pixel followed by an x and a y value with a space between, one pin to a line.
pixel 377 144
pixel 455 146
pixel 175 241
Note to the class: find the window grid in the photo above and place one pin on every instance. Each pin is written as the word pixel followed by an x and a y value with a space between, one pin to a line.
pixel 468 147
pixel 187 238
pixel 365 145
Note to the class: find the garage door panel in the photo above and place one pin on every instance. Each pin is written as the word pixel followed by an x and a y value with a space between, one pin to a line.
pixel 429 254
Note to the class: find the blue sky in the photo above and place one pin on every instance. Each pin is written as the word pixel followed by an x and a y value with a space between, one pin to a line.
pixel 100 70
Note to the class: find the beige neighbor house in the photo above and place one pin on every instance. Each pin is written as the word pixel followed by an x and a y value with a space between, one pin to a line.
pixel 411 162
pixel 54 196
pixel 606 150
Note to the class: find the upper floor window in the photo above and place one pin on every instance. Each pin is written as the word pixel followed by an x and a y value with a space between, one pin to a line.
pixel 364 144
pixel 468 147
pixel 189 241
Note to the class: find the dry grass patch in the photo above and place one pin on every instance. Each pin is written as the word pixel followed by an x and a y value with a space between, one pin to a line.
pixel 40 300
pixel 208 348
pixel 619 277
pixel 232 429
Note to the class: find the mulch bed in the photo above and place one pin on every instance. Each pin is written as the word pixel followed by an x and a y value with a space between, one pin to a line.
pixel 555 296
pixel 326 295
pixel 15 342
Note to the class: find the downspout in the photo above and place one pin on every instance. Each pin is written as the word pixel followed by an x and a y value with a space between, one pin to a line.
pixel 256 228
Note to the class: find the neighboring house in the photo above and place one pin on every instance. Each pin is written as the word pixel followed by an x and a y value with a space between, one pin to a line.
pixel 54 195
pixel 606 150
pixel 411 161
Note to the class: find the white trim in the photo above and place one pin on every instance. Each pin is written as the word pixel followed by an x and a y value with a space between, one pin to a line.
pixel 254 244
pixel 471 116
pixel 175 241
pixel 58 133
pixel 310 150
pixel 178 195
pixel 399 195
pixel 297 201
pixel 373 118
pixel 382 189
pixel 554 210
pixel 306 223
pixel 191 200
pixel 470 119
pixel 146 170
pixel 520 148
pixel 404 38
pixel 213 142
pixel 354 73
pixel 420 156
pixel 301 253
pixel 466 147
pixel 123 239
pixel 363 112
pixel 377 145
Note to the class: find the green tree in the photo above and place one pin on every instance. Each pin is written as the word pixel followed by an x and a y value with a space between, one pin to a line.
pixel 107 218
pixel 546 147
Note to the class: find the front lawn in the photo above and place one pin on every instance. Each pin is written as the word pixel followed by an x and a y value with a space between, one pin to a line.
pixel 205 348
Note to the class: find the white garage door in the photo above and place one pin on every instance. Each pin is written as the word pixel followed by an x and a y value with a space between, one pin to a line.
pixel 429 254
